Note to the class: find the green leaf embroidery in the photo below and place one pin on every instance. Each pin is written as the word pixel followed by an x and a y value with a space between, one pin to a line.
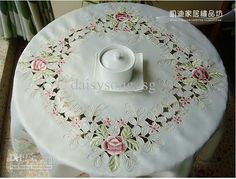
pixel 186 66
pixel 49 78
pixel 96 141
pixel 48 72
pixel 134 19
pixel 196 63
pixel 130 24
pixel 198 91
pixel 113 23
pixel 132 144
pixel 52 59
pixel 114 163
pixel 123 9
pixel 201 86
pixel 217 75
pixel 189 81
pixel 167 61
pixel 37 76
pixel 49 57
pixel 126 133
pixel 44 54
pixel 24 64
pixel 103 131
pixel 109 17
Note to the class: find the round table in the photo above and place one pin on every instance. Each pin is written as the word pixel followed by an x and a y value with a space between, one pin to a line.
pixel 107 133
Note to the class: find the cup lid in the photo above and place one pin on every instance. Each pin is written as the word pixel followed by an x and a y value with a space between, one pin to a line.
pixel 117 58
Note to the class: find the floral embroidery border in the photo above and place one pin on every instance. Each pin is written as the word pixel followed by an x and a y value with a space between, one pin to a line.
pixel 116 140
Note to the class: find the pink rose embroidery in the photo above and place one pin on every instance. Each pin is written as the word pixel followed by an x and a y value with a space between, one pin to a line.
pixel 121 16
pixel 200 74
pixel 114 145
pixel 38 64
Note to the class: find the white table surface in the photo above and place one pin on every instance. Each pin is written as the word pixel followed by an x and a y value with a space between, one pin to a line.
pixel 120 134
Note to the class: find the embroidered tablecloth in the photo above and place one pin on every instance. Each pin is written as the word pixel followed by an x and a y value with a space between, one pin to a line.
pixel 117 133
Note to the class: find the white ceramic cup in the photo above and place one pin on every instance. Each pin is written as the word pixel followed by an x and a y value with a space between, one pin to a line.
pixel 116 64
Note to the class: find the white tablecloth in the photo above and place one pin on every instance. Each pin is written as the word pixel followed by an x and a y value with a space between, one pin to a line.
pixel 120 134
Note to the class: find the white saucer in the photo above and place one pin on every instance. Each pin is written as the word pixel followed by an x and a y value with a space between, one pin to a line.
pixel 135 84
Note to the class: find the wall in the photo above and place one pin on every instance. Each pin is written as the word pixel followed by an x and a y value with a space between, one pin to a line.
pixel 62 7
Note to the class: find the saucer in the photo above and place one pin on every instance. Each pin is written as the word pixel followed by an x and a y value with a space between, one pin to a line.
pixel 135 84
